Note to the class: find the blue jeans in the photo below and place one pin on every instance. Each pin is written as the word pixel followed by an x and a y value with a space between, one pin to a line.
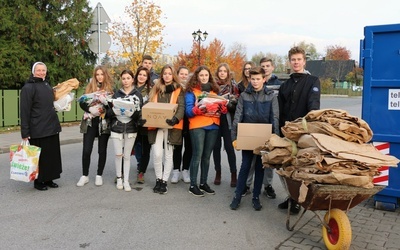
pixel 247 158
pixel 202 145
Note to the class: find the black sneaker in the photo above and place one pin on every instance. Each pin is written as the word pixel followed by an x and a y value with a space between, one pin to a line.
pixel 284 205
pixel 163 187
pixel 295 207
pixel 246 191
pixel 256 204
pixel 235 203
pixel 195 191
pixel 156 188
pixel 269 192
pixel 206 189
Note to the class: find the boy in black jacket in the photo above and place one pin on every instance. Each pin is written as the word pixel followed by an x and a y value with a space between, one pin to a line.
pixel 297 96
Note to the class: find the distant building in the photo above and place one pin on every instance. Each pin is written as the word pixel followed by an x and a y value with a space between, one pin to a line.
pixel 166 59
pixel 336 70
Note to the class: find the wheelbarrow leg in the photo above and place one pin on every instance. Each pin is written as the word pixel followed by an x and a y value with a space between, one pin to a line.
pixel 288 227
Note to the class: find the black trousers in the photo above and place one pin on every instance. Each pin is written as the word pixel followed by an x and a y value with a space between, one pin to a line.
pixel 88 141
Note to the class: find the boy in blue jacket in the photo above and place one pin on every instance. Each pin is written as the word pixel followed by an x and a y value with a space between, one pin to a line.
pixel 256 104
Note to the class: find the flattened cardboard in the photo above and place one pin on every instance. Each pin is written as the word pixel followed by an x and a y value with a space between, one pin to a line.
pixel 252 135
pixel 156 113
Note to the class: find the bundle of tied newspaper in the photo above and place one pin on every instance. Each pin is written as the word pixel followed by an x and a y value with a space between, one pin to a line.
pixel 63 95
pixel 326 146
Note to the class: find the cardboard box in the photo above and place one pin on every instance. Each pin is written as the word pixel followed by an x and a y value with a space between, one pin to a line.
pixel 156 113
pixel 252 135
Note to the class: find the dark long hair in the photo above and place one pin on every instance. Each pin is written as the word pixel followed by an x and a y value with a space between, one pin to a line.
pixel 147 83
pixel 245 81
pixel 195 83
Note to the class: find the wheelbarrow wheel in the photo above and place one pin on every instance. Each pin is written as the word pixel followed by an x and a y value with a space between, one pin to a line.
pixel 339 234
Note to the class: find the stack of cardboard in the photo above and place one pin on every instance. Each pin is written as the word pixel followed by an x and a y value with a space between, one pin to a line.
pixel 334 150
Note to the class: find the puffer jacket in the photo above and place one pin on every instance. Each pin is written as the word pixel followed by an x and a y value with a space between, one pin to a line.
pixel 130 127
pixel 38 116
pixel 174 135
pixel 256 107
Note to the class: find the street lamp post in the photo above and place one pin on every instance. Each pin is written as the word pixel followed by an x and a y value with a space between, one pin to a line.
pixel 199 37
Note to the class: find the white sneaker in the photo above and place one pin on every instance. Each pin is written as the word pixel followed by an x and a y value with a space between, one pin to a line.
pixel 98 181
pixel 82 181
pixel 119 184
pixel 175 176
pixel 127 186
pixel 185 176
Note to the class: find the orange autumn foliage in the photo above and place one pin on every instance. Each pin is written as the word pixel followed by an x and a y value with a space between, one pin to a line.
pixel 213 55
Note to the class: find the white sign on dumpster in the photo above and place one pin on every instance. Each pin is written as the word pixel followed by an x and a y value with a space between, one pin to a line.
pixel 394 99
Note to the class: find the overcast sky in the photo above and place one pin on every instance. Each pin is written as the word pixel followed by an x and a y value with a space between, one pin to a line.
pixel 267 25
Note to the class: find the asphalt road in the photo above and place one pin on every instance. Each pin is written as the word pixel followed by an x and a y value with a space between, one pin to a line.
pixel 103 217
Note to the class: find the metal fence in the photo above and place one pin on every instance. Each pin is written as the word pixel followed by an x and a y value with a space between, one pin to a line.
pixel 9 108
pixel 340 91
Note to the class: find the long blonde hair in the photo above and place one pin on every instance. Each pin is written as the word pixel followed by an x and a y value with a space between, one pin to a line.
pixel 159 86
pixel 106 85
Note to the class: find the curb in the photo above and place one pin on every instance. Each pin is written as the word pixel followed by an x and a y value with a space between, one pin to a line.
pixel 6 150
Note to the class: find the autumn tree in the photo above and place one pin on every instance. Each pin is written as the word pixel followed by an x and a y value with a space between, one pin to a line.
pixel 355 76
pixel 141 35
pixel 52 31
pixel 279 61
pixel 326 84
pixel 235 58
pixel 337 52
pixel 310 49
pixel 341 56
pixel 212 55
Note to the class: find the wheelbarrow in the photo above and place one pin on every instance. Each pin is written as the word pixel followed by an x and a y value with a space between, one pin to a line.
pixel 336 200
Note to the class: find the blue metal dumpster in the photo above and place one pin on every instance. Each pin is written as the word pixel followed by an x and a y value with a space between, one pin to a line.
pixel 380 59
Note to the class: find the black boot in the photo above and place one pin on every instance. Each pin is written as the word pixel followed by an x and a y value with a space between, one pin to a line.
pixel 40 185
pixel 51 184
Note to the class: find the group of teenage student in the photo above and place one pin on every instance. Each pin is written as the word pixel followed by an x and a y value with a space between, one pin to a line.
pixel 255 99
pixel 190 127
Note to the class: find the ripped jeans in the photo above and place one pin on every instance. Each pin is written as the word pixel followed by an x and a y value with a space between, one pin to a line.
pixel 161 149
pixel 123 143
